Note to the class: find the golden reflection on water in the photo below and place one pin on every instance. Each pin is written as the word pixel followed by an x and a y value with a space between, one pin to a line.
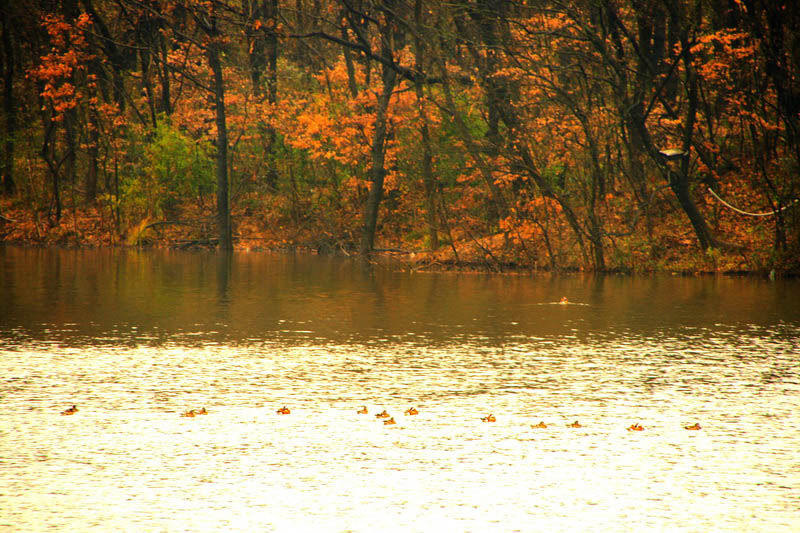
pixel 128 460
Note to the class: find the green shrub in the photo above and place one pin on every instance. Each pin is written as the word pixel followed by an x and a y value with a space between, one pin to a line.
pixel 176 170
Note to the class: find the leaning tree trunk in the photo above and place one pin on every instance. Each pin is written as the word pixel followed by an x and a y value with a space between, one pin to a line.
pixel 680 185
pixel 378 170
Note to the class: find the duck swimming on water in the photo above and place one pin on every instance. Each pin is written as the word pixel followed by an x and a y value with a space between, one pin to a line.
pixel 71 411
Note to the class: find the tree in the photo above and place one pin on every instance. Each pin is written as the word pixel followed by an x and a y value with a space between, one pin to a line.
pixel 428 178
pixel 205 34
pixel 262 38
pixel 9 102
pixel 62 80
pixel 382 46
pixel 510 130
pixel 213 53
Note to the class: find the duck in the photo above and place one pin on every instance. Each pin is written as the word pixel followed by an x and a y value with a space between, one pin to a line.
pixel 389 422
pixel 411 411
pixel 636 427
pixel 382 414
pixel 362 411
pixel 575 424
pixel 189 414
pixel 694 427
pixel 70 411
pixel 283 411
pixel 489 418
pixel 563 300
pixel 201 411
pixel 540 425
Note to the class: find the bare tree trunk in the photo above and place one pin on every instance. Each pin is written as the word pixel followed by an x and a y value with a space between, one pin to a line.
pixel 680 185
pixel 223 207
pixel 348 61
pixel 48 154
pixel 264 56
pixel 109 45
pixel 377 170
pixel 428 179
pixel 272 90
pixel 9 108
pixel 93 154
pixel 165 103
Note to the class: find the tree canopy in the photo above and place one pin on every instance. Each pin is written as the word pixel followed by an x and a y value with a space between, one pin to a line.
pixel 600 135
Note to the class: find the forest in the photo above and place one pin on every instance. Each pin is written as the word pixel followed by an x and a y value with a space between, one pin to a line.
pixel 596 135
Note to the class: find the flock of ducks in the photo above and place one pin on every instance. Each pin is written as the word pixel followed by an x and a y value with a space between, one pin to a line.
pixel 389 420
pixel 491 418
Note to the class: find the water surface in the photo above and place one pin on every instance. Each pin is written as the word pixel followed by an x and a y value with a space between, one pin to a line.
pixel 135 338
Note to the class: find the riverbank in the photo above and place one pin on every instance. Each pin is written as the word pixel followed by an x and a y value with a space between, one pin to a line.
pixel 94 227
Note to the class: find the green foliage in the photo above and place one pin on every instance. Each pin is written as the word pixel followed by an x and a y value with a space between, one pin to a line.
pixel 175 168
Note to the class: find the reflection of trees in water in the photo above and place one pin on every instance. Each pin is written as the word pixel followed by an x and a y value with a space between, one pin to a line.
pixel 156 295
pixel 224 264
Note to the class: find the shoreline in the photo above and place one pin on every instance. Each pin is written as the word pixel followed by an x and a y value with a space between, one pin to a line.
pixel 91 228
pixel 416 261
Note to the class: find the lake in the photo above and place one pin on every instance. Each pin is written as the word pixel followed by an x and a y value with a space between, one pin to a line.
pixel 135 338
